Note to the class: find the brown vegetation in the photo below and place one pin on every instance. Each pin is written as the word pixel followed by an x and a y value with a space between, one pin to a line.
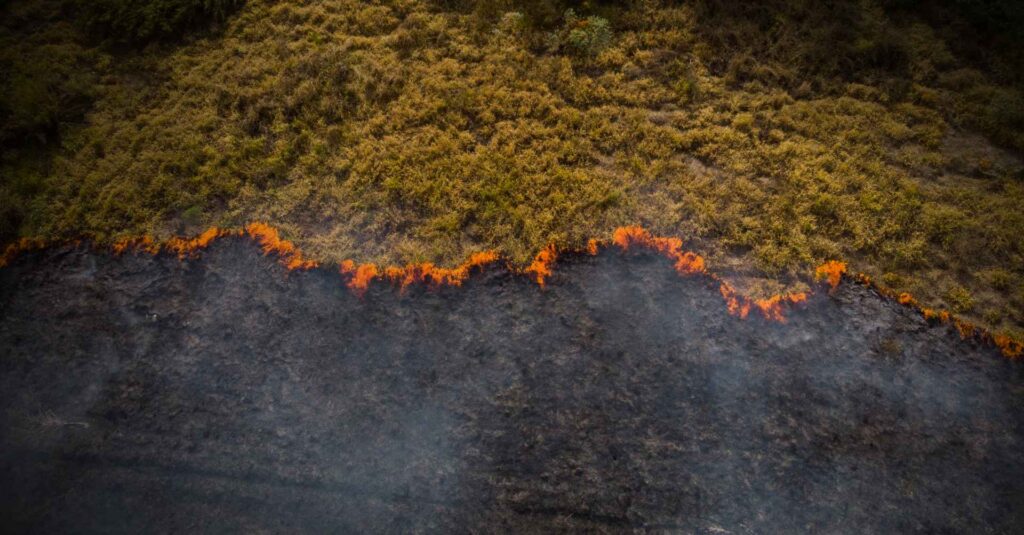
pixel 771 136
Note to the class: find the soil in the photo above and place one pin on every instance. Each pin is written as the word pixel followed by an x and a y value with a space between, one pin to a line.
pixel 225 394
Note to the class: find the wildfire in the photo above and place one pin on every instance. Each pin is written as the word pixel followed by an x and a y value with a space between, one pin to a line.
pixel 686 263
pixel 737 304
pixel 188 247
pixel 20 246
pixel 1009 347
pixel 832 271
pixel 541 267
pixel 628 238
pixel 144 244
pixel 359 276
pixel 772 307
pixel 426 273
pixel 271 242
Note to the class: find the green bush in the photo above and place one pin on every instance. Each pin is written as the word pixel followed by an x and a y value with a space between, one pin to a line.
pixel 582 36
pixel 140 21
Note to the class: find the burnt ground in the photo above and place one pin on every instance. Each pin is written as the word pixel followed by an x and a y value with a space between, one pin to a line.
pixel 144 394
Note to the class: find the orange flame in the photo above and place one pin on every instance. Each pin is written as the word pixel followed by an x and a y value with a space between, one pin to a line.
pixel 832 271
pixel 360 276
pixel 187 247
pixel 738 305
pixel 772 307
pixel 1011 348
pixel 542 264
pixel 686 263
pixel 20 246
pixel 271 242
pixel 144 244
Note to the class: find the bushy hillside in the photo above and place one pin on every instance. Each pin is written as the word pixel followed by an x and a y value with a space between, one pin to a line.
pixel 772 135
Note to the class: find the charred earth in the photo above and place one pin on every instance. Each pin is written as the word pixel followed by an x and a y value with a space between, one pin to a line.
pixel 224 393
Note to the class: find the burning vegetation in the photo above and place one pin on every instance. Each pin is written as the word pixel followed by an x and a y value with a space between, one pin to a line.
pixel 359 277
pixel 831 271
pixel 541 266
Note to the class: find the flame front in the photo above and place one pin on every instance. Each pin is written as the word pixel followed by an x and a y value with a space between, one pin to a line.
pixel 144 244
pixel 685 263
pixel 1009 347
pixel 185 247
pixel 271 242
pixel 360 276
pixel 688 263
pixel 21 246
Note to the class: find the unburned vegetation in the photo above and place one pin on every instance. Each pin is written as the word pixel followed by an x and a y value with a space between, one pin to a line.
pixel 770 135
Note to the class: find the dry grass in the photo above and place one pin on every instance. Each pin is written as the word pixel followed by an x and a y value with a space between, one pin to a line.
pixel 398 131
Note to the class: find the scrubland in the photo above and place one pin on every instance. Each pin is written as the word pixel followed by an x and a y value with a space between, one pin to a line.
pixel 771 136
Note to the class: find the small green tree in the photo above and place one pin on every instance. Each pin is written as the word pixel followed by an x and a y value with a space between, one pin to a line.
pixel 583 36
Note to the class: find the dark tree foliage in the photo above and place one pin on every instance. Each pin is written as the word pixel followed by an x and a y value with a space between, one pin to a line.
pixel 136 21
pixel 985 32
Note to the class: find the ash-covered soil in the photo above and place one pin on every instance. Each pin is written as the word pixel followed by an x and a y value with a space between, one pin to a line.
pixel 142 394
